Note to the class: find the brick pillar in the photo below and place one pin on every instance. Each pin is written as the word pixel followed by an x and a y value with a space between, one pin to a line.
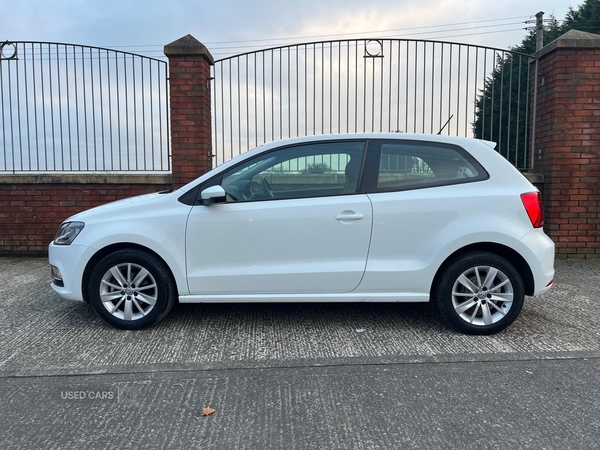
pixel 568 142
pixel 191 131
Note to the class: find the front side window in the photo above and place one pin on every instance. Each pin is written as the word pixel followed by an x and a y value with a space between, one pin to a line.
pixel 309 170
pixel 403 165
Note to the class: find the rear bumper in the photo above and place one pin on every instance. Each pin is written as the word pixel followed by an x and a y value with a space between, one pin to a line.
pixel 538 250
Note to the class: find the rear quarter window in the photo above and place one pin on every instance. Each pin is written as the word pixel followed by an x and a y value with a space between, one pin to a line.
pixel 400 165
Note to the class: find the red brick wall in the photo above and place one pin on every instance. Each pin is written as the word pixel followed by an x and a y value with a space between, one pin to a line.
pixel 568 149
pixel 30 213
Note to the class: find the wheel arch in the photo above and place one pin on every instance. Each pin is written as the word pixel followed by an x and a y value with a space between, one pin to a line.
pixel 105 251
pixel 507 253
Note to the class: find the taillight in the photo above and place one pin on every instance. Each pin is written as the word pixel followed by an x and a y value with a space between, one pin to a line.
pixel 532 202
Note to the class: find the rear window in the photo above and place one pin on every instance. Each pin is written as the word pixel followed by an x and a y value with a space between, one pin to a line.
pixel 409 165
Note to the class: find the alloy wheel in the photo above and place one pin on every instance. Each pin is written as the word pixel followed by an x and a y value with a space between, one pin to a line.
pixel 128 291
pixel 482 295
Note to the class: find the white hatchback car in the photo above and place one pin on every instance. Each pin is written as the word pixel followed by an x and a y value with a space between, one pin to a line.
pixel 340 218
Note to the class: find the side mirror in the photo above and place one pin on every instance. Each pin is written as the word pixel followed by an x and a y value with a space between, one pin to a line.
pixel 213 194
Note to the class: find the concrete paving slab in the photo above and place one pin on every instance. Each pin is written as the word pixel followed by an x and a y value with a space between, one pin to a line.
pixel 41 334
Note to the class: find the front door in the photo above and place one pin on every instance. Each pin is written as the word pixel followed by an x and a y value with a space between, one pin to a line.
pixel 292 224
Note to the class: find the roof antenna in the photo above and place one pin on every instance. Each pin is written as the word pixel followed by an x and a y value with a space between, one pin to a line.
pixel 447 122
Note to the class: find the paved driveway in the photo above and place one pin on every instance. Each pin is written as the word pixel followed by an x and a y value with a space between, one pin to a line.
pixel 268 369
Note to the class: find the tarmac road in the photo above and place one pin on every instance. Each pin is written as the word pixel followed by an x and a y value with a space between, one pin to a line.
pixel 298 376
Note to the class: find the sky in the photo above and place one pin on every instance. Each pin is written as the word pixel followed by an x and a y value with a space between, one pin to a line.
pixel 228 27
pixel 231 27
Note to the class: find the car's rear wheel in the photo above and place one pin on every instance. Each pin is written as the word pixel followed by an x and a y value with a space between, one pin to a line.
pixel 131 289
pixel 480 293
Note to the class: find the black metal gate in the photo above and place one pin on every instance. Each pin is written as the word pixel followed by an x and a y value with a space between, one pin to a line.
pixel 77 108
pixel 373 85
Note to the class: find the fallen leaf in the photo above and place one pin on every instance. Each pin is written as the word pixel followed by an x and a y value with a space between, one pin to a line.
pixel 207 411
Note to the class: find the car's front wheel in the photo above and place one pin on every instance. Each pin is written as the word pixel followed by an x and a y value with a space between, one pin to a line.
pixel 131 289
pixel 480 293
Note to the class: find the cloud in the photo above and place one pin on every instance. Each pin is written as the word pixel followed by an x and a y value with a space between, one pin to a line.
pixel 153 22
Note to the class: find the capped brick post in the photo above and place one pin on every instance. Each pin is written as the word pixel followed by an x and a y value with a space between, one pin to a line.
pixel 567 142
pixel 191 131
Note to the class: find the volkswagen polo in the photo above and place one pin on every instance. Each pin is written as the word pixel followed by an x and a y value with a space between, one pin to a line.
pixel 340 218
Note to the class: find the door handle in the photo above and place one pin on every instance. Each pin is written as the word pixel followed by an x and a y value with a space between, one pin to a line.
pixel 349 217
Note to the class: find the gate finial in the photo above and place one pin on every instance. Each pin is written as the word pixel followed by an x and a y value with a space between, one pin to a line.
pixel 8 56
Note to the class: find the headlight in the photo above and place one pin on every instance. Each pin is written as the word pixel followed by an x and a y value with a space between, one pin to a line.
pixel 67 233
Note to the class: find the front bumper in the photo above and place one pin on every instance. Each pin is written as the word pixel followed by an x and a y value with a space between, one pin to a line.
pixel 70 262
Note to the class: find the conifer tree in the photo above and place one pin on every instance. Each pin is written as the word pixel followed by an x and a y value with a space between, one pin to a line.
pixel 510 81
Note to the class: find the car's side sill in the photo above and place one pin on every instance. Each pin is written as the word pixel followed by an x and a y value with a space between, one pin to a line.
pixel 306 298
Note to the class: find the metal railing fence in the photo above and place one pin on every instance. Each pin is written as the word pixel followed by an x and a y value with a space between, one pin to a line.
pixel 373 85
pixel 76 108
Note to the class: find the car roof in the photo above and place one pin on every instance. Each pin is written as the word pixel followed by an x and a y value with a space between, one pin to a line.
pixel 374 135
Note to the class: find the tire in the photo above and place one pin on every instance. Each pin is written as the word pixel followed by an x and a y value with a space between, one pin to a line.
pixel 472 303
pixel 119 301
